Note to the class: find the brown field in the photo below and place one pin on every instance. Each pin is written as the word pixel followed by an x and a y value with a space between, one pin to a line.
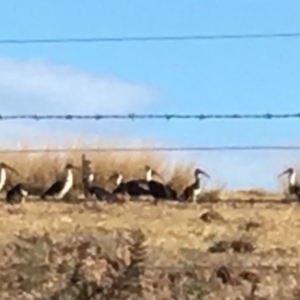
pixel 231 245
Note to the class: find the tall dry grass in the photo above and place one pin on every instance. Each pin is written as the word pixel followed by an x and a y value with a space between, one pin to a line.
pixel 40 169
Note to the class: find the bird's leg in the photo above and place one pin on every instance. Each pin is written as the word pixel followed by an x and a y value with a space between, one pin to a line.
pixel 194 198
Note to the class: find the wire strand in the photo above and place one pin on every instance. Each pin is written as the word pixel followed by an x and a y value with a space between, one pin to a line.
pixel 67 40
pixel 134 116
pixel 154 149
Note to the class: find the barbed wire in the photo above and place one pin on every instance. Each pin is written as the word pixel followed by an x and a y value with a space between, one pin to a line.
pixel 153 149
pixel 134 116
pixel 174 38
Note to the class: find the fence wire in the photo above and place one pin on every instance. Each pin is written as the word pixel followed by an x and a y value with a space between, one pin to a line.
pixel 154 149
pixel 143 39
pixel 134 116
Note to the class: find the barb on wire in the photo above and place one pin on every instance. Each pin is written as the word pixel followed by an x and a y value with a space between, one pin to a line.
pixel 133 116
pixel 154 149
pixel 174 38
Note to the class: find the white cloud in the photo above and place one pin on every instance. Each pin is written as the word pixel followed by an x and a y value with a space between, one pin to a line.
pixel 37 87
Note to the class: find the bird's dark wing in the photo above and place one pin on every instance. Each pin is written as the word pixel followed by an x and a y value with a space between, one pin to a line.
pixel 137 188
pixel 186 193
pixel 98 190
pixel 9 195
pixel 119 190
pixel 102 194
pixel 54 188
pixel 143 184
pixel 157 189
pixel 171 192
pixel 296 191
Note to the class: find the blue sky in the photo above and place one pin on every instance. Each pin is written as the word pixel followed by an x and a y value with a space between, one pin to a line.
pixel 242 76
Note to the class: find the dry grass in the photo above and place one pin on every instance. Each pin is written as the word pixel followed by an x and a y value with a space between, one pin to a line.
pixel 224 247
pixel 252 242
pixel 41 169
pixel 170 226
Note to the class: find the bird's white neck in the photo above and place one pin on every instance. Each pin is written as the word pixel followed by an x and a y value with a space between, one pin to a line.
pixel 119 179
pixel 67 186
pixel 24 193
pixel 292 178
pixel 2 177
pixel 69 175
pixel 149 175
pixel 91 177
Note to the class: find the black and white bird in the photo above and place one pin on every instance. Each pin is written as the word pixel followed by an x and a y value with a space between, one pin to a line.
pixel 157 189
pixel 61 187
pixel 293 185
pixel 96 191
pixel 133 188
pixel 193 191
pixel 16 194
pixel 3 173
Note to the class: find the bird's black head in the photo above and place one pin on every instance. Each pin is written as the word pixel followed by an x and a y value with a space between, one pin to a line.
pixel 289 171
pixel 87 162
pixel 70 166
pixel 150 172
pixel 147 168
pixel 20 186
pixel 6 166
pixel 116 176
pixel 113 176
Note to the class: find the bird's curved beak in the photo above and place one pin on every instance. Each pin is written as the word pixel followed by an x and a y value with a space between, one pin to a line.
pixel 113 176
pixel 85 165
pixel 12 169
pixel 205 174
pixel 157 174
pixel 282 173
pixel 77 168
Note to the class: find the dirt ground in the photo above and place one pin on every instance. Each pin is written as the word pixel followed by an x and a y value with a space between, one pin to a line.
pixel 241 231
